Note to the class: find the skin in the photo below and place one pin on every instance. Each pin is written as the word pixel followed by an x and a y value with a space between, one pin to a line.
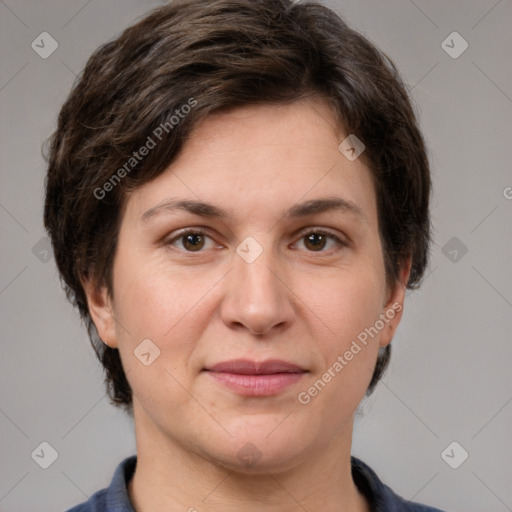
pixel 201 303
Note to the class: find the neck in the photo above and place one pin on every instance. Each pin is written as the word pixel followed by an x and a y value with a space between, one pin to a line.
pixel 171 477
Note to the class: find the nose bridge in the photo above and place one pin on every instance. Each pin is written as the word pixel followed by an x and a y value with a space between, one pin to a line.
pixel 256 297
pixel 253 265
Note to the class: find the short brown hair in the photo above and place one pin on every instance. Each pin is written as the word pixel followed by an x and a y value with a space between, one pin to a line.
pixel 218 55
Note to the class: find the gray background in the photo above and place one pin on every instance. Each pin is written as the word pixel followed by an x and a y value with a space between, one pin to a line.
pixel 450 376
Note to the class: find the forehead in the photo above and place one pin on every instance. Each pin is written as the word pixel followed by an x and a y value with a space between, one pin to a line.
pixel 263 159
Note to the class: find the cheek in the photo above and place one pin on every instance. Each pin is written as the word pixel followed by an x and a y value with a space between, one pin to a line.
pixel 346 352
pixel 166 306
pixel 168 310
pixel 345 303
pixel 149 296
pixel 345 306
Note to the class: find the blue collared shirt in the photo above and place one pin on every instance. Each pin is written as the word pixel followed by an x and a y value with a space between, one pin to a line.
pixel 381 498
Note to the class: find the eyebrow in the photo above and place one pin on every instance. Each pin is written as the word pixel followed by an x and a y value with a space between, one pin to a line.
pixel 304 209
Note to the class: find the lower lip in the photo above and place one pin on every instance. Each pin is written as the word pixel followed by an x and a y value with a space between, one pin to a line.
pixel 256 385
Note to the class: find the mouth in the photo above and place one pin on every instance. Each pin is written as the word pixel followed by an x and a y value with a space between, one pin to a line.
pixel 253 378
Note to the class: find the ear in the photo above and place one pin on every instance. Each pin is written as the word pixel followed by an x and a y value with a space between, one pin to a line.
pixel 101 311
pixel 394 306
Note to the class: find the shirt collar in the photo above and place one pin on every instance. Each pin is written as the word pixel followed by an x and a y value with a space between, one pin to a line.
pixel 117 492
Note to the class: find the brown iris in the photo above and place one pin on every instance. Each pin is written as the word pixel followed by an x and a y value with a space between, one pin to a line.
pixel 315 241
pixel 193 241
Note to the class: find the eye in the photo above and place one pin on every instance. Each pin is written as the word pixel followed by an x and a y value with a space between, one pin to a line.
pixel 316 240
pixel 191 240
pixel 195 240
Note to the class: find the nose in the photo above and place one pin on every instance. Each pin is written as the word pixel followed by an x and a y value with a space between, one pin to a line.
pixel 257 297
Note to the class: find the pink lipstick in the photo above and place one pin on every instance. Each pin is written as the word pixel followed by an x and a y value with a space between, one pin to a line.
pixel 252 378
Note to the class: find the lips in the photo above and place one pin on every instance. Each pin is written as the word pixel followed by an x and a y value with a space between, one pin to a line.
pixel 248 367
pixel 256 379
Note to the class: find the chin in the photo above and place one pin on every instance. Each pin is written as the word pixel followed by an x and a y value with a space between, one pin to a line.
pixel 261 447
pixel 250 459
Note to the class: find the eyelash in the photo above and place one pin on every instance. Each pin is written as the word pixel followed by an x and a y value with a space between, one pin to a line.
pixel 198 231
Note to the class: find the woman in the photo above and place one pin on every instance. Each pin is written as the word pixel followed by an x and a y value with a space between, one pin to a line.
pixel 237 197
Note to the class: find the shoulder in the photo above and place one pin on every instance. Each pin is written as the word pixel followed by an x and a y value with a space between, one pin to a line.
pixel 96 503
pixel 115 496
pixel 380 496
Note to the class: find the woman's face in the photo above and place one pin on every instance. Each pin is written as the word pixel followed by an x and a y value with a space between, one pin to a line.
pixel 274 274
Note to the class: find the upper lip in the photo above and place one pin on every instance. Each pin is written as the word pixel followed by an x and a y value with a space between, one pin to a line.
pixel 249 367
